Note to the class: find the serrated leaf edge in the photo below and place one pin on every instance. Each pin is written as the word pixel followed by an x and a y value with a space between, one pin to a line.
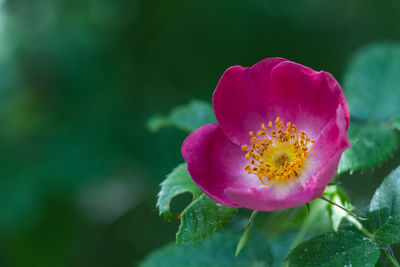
pixel 178 241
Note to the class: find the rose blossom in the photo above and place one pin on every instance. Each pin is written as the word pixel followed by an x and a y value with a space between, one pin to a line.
pixel 281 130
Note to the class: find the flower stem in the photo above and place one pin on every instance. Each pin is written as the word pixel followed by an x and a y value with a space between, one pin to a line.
pixel 353 219
pixel 346 210
pixel 390 258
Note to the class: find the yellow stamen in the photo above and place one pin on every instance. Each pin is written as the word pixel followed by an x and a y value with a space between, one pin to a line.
pixel 277 154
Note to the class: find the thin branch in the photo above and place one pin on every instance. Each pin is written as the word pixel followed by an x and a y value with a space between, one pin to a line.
pixel 346 210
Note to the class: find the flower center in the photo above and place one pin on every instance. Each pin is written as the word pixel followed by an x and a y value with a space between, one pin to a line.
pixel 280 158
pixel 278 152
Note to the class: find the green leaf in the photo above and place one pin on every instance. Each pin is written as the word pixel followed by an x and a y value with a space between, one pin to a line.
pixel 176 183
pixel 187 118
pixel 372 144
pixel 384 211
pixel 343 248
pixel 245 234
pixel 396 122
pixel 201 218
pixel 372 82
pixel 215 251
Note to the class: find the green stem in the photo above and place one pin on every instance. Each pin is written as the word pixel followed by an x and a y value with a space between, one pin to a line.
pixel 390 258
pixel 364 231
pixel 346 210
pixel 353 219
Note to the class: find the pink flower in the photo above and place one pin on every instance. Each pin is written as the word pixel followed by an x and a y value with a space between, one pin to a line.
pixel 281 130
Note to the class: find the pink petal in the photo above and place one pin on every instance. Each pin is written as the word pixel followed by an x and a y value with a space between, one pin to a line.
pixel 330 144
pixel 241 100
pixel 215 163
pixel 307 98
pixel 247 97
pixel 323 162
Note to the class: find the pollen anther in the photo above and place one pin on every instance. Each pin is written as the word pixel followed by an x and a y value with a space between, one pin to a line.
pixel 278 152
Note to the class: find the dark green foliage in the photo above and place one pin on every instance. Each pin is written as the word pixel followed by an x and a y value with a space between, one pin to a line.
pixel 372 82
pixel 342 248
pixel 371 86
pixel 187 118
pixel 372 144
pixel 215 251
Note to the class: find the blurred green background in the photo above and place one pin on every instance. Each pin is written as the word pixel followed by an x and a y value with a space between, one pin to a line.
pixel 79 170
